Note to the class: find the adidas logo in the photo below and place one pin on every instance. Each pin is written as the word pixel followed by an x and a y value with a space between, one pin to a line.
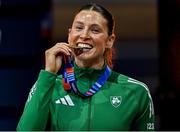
pixel 65 101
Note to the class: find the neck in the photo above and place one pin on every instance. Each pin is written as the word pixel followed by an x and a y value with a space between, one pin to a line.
pixel 97 64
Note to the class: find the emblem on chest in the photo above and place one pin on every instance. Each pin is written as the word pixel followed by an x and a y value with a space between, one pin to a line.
pixel 115 101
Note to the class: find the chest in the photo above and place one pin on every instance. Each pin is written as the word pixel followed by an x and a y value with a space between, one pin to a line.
pixel 106 110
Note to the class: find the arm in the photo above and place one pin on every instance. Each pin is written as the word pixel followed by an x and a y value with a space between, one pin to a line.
pixel 36 111
pixel 145 118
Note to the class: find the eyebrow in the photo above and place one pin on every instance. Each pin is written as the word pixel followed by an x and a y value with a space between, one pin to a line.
pixel 79 22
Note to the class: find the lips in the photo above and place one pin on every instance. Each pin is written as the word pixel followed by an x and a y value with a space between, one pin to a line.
pixel 85 45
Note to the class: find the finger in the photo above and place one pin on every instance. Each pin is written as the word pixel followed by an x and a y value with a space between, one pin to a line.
pixel 59 48
pixel 65 46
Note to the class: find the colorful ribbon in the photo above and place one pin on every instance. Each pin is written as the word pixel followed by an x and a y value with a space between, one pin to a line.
pixel 69 80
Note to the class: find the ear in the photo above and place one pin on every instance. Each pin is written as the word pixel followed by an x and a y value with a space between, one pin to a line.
pixel 110 41
pixel 69 31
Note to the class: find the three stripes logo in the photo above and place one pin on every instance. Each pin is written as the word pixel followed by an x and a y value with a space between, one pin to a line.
pixel 65 101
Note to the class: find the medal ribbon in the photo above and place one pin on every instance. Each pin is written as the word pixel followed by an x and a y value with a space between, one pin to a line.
pixel 69 80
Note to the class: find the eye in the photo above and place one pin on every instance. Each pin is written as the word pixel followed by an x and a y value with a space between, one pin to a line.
pixel 78 28
pixel 95 30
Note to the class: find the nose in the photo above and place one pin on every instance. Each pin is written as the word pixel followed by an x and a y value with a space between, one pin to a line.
pixel 84 34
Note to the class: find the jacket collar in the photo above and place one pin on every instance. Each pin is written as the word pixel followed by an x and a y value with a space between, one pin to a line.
pixel 88 72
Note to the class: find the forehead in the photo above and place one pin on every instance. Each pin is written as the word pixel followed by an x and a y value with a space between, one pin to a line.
pixel 90 16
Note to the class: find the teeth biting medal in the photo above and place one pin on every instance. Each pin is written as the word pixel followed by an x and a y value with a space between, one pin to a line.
pixel 80 48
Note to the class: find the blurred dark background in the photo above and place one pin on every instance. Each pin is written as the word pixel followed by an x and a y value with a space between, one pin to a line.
pixel 147 49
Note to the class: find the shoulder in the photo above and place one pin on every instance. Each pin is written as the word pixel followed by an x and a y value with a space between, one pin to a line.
pixel 129 83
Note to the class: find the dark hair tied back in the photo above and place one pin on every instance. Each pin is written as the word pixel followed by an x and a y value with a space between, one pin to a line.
pixel 105 13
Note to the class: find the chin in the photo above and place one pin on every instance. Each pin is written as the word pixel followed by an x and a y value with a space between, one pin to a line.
pixel 84 57
pixel 89 56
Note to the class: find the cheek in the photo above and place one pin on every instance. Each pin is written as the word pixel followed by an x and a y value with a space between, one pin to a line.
pixel 71 37
pixel 101 43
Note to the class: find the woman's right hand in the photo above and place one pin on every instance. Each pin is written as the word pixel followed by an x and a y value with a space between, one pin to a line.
pixel 54 55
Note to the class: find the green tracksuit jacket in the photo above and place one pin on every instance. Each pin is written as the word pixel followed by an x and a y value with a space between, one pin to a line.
pixel 121 104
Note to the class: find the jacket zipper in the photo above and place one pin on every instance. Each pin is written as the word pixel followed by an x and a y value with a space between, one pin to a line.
pixel 89 114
